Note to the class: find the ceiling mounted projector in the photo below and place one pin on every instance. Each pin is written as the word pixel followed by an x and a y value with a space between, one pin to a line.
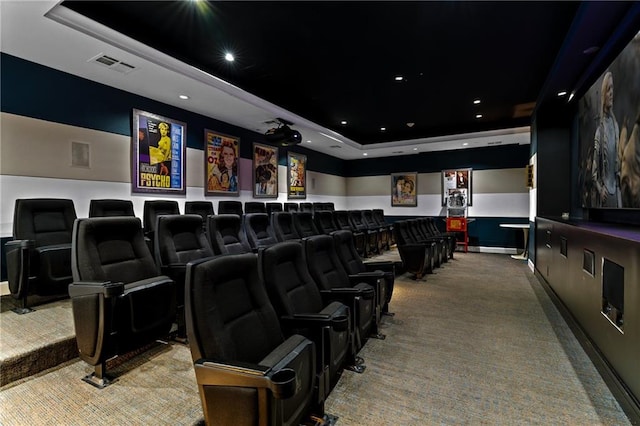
pixel 283 135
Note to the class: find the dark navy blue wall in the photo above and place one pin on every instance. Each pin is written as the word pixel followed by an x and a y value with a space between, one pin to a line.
pixel 33 90
pixel 498 157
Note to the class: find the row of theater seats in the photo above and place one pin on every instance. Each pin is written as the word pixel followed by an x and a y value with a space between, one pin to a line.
pixel 291 310
pixel 269 332
pixel 38 257
pixel 422 246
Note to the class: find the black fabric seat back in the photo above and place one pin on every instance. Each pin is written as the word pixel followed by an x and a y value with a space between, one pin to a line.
pixel 303 221
pixel 329 206
pixel 274 207
pixel 180 239
pixel 378 216
pixel 110 207
pixel 202 208
pixel 111 249
pixel 347 253
pixel 291 207
pixel 226 235
pixel 282 224
pixel 155 208
pixel 230 207
pixel 317 207
pixel 258 229
pixel 323 262
pixel 254 207
pixel 47 221
pixel 404 235
pixel 355 217
pixel 230 313
pixel 368 220
pixel 39 257
pixel 306 207
pixel 341 218
pixel 324 222
pixel 289 285
pixel 232 324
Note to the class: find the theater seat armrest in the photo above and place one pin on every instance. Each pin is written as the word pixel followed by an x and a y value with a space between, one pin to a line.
pixel 85 288
pixel 19 244
pixel 282 383
pixel 371 278
pixel 315 321
pixel 385 266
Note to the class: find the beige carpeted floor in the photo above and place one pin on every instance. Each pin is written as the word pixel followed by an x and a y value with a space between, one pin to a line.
pixel 478 342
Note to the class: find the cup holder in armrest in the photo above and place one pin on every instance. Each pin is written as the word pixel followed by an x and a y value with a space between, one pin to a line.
pixel 340 323
pixel 283 383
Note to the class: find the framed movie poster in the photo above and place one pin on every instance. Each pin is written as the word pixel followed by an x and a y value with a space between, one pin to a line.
pixel 457 182
pixel 221 164
pixel 404 189
pixel 158 154
pixel 265 171
pixel 296 176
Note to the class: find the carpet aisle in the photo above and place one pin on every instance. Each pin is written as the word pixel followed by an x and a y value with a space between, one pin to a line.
pixel 477 343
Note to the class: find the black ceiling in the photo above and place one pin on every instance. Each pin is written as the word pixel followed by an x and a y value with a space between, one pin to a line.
pixel 334 61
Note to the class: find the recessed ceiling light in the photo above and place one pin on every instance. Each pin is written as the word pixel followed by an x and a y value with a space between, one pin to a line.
pixel 382 129
pixel 229 57
pixel 411 124
pixel 183 97
pixel 415 149
pixel 465 144
pixel 476 101
pixel 343 122
pixel 399 78
pixel 478 115
pixel 562 93
pixel 308 141
pixel 365 154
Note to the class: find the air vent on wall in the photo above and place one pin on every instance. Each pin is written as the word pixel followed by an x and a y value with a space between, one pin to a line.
pixel 494 143
pixel 112 63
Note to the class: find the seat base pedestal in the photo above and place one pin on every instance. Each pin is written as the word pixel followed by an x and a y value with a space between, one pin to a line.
pixel 358 368
pixel 98 382
pixel 22 311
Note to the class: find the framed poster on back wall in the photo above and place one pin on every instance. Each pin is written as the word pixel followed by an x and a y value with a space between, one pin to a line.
pixel 221 164
pixel 265 171
pixel 296 176
pixel 158 146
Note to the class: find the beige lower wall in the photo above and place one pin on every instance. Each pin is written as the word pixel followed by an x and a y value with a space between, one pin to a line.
pixel 497 181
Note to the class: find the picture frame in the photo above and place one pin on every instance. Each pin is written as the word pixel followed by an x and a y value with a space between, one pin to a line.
pixel 296 176
pixel 265 171
pixel 458 181
pixel 221 164
pixel 404 189
pixel 158 154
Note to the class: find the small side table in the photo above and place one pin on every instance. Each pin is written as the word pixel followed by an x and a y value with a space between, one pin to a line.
pixel 525 229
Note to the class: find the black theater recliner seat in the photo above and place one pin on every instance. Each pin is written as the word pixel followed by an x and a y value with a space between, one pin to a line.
pixel 282 225
pixel 304 224
pixel 247 372
pixel 361 293
pixel 180 239
pixel 39 256
pixel 153 209
pixel 120 302
pixel 302 309
pixel 226 235
pixel 259 232
pixel 202 208
pixel 353 265
pixel 417 258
